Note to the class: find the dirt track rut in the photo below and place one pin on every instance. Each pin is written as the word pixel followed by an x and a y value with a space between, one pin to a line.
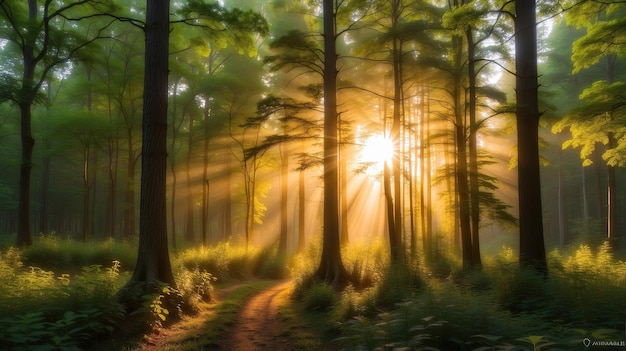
pixel 258 326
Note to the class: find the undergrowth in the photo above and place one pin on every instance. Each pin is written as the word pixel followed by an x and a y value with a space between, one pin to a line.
pixel 61 294
pixel 52 252
pixel 499 307
pixel 227 262
pixel 46 311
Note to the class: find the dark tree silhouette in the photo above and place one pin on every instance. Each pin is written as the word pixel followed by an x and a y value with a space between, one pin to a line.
pixel 331 268
pixel 153 262
pixel 532 248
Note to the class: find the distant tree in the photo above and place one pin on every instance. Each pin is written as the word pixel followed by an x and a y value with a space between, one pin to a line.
pixel 599 116
pixel 81 133
pixel 41 41
pixel 474 25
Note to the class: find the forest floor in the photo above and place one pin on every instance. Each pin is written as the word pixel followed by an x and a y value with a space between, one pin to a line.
pixel 259 325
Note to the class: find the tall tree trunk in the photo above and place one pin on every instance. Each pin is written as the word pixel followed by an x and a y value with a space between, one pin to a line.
pixel 473 151
pixel 113 161
pixel 428 177
pixel 129 199
pixel 612 218
pixel 284 185
pixel 227 207
pixel 45 185
pixel 301 207
pixel 28 143
pixel 205 178
pixel 343 184
pixel 26 135
pixel 86 193
pixel 153 263
pixel 189 227
pixel 462 186
pixel 172 157
pixel 331 268
pixel 532 247
pixel 45 176
pixel 395 237
pixel 561 212
pixel 173 202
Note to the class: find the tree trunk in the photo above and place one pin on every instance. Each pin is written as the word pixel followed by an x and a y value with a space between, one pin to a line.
pixel 129 199
pixel 343 183
pixel 301 207
pixel 45 185
pixel 153 263
pixel 189 227
pixel 532 249
pixel 395 237
pixel 28 143
pixel 284 185
pixel 205 178
pixel 227 209
pixel 473 152
pixel 612 217
pixel 86 192
pixel 172 158
pixel 331 268
pixel 26 135
pixel 462 186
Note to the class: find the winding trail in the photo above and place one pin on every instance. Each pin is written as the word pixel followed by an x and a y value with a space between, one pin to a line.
pixel 259 326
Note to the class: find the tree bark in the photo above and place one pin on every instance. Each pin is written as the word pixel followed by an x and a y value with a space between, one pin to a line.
pixel 612 216
pixel 462 186
pixel 26 135
pixel 301 207
pixel 189 227
pixel 473 152
pixel 153 263
pixel 284 185
pixel 532 247
pixel 331 268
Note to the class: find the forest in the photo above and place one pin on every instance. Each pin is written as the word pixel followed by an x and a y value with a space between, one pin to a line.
pixel 378 174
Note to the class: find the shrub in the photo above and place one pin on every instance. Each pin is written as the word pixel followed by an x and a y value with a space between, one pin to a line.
pixel 222 261
pixel 319 297
pixel 398 283
pixel 195 286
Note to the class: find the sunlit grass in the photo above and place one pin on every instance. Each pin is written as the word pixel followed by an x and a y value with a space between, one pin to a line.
pixel 497 307
pixel 66 255
pixel 227 262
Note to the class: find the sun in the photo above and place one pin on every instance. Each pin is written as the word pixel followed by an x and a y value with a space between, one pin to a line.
pixel 377 150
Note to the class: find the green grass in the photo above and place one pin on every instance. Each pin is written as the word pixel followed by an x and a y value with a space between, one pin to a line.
pixel 497 307
pixel 310 330
pixel 62 292
pixel 67 256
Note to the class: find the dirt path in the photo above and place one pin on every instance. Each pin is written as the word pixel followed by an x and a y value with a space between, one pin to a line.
pixel 258 326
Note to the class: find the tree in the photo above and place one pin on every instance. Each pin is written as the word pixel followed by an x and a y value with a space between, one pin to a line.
pixel 599 116
pixel 331 268
pixel 41 46
pixel 153 263
pixel 532 247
